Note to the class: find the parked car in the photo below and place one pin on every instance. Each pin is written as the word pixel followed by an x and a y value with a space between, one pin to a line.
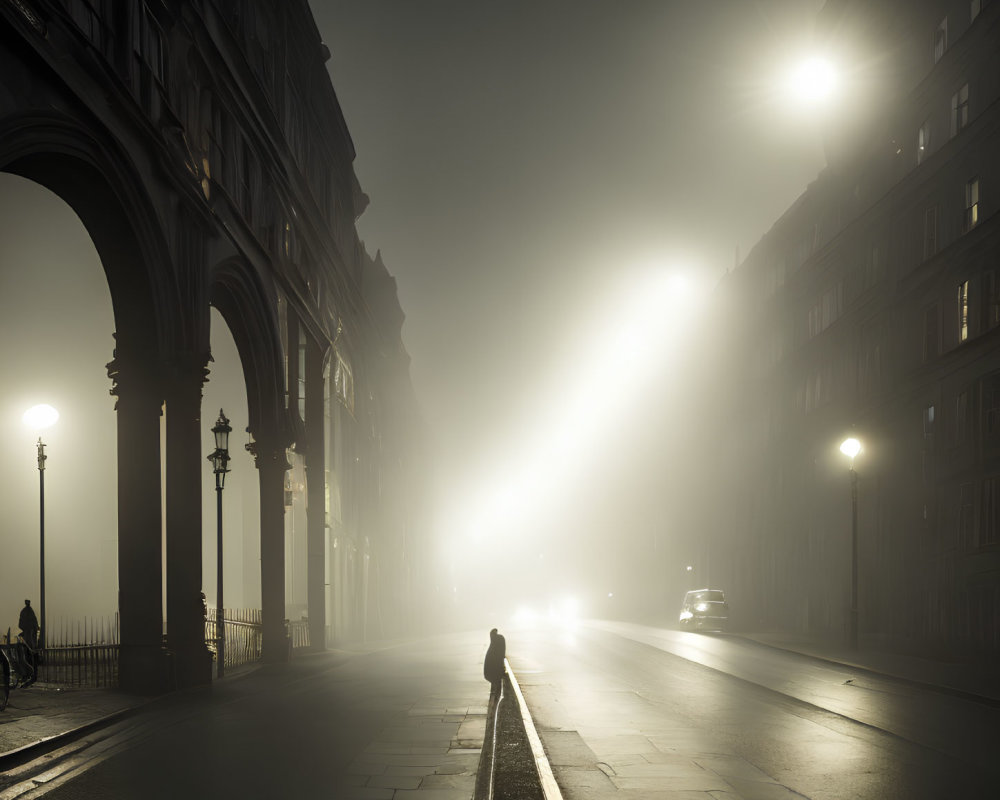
pixel 705 609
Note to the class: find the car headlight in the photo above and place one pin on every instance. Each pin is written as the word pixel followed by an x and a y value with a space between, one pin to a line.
pixel 686 615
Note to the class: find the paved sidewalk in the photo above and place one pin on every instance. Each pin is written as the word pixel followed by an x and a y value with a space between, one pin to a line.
pixel 412 717
pixel 42 712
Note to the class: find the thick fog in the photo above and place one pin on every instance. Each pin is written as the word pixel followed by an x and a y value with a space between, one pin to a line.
pixel 58 323
pixel 528 165
pixel 557 188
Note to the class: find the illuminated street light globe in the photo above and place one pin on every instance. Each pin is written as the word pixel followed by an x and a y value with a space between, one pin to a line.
pixel 812 82
pixel 850 447
pixel 41 416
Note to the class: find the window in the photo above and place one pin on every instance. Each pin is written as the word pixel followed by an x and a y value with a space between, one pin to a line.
pixel 971 204
pixel 870 366
pixel 147 42
pixel 873 272
pixel 929 429
pixel 965 520
pixel 923 141
pixel 962 417
pixel 218 147
pixel 991 406
pixel 991 310
pixel 940 40
pixel 87 19
pixel 989 532
pixel 827 311
pixel 960 109
pixel 930 231
pixel 963 311
pixel 932 338
pixel 343 381
pixel 815 318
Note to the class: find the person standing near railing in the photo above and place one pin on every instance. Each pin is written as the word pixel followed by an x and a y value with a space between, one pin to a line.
pixel 28 623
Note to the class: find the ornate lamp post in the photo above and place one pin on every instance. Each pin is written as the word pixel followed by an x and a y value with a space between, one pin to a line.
pixel 220 466
pixel 850 448
pixel 38 417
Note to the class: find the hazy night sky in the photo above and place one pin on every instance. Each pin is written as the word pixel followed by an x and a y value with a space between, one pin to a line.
pixel 525 161
pixel 527 164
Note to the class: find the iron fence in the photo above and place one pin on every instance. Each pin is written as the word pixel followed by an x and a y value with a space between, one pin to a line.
pixel 242 628
pixel 85 653
pixel 82 653
pixel 298 632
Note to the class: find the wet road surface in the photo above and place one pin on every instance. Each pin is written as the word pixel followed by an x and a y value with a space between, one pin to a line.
pixel 630 711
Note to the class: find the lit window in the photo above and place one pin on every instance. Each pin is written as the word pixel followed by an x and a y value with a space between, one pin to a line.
pixel 960 109
pixel 971 204
pixel 923 141
pixel 963 311
pixel 940 40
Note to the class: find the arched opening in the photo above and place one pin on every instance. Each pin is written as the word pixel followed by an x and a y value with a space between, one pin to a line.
pixel 248 311
pixel 98 183
pixel 58 323
pixel 226 391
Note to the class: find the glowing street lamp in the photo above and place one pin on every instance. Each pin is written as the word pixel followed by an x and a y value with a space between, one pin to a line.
pixel 220 466
pixel 812 82
pixel 850 448
pixel 37 418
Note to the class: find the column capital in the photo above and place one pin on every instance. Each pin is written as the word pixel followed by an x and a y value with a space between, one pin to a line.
pixel 268 457
pixel 134 376
pixel 187 365
pixel 269 448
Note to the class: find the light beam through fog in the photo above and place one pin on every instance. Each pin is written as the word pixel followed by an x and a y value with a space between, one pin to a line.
pixel 545 463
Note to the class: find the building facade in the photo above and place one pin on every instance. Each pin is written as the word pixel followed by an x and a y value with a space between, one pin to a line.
pixel 872 309
pixel 203 147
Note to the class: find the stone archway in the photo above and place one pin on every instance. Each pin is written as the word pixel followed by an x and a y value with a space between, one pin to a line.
pixel 250 312
pixel 112 205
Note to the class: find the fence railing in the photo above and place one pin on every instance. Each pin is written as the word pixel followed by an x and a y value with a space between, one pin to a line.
pixel 85 653
pixel 242 628
pixel 82 653
pixel 298 632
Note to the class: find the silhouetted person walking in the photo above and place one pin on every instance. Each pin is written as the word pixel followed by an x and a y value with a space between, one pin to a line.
pixel 28 623
pixel 493 666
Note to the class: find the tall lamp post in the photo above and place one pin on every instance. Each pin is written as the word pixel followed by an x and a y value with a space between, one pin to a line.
pixel 220 466
pixel 38 417
pixel 850 448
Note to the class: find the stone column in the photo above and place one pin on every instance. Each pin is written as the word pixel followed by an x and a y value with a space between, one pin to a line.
pixel 269 455
pixel 186 466
pixel 316 497
pixel 143 665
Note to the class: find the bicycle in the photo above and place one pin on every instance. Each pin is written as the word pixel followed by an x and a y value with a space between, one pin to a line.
pixel 18 662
